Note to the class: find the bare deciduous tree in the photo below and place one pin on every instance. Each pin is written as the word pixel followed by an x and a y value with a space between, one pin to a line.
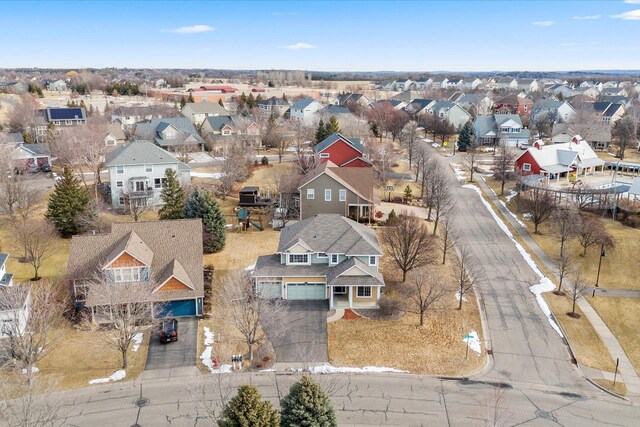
pixel 449 235
pixel 248 312
pixel 17 197
pixel 539 203
pixel 35 405
pixel 135 206
pixel 423 291
pixel 591 231
pixel 440 198
pixel 563 264
pixel 466 271
pixel 409 243
pixel 503 164
pixel 577 288
pixel 472 158
pixel 409 140
pixel 234 169
pixel 35 239
pixel 564 224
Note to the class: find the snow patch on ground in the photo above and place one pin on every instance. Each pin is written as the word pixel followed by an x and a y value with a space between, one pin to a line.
pixel 458 297
pixel 251 267
pixel 522 224
pixel 511 195
pixel 211 175
pixel 473 342
pixel 526 215
pixel 328 369
pixel 137 341
pixel 116 376
pixel 435 145
pixel 207 359
pixel 545 285
pixel 208 336
pixel 33 370
pixel 267 370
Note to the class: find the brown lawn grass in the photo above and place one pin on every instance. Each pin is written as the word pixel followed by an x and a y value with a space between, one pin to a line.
pixel 242 249
pixel 81 356
pixel 620 388
pixel 622 316
pixel 223 349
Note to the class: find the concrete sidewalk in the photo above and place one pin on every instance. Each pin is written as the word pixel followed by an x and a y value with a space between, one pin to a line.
pixel 625 369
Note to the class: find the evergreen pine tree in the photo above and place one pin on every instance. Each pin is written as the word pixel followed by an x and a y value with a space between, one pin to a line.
pixel 191 97
pixel 258 99
pixel 284 97
pixel 183 102
pixel 465 139
pixel 307 404
pixel 332 126
pixel 68 201
pixel 251 101
pixel 407 192
pixel 321 131
pixel 172 196
pixel 220 102
pixel 247 409
pixel 202 204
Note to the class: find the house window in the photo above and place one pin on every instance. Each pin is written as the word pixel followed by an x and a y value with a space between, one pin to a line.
pixel 324 155
pixel 56 122
pixel 526 166
pixel 364 291
pixel 118 184
pixel 342 195
pixel 340 290
pixel 322 255
pixel 125 275
pixel 121 201
pixel 119 170
pixel 159 183
pixel 67 122
pixel 80 291
pixel 373 261
pixel 298 258
pixel 334 259
pixel 327 195
pixel 311 194
pixel 148 168
pixel 226 132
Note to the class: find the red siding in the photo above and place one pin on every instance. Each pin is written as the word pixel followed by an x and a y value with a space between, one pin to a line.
pixel 357 163
pixel 527 158
pixel 340 152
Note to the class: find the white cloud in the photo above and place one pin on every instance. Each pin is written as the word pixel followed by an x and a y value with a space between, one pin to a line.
pixel 632 15
pixel 192 29
pixel 299 46
pixel 587 17
pixel 632 1
pixel 543 23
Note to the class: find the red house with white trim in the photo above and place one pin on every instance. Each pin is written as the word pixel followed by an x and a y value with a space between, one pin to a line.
pixel 342 151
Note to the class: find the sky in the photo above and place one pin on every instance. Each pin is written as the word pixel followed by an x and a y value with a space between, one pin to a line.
pixel 323 35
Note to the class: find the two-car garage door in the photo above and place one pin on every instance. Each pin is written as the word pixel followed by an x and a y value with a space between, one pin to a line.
pixel 306 291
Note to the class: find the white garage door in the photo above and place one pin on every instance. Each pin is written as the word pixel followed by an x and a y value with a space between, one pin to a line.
pixel 306 291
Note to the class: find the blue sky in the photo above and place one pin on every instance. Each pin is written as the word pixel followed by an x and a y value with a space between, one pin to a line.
pixel 349 36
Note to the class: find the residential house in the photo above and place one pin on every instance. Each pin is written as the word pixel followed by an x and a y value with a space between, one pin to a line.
pixel 115 135
pixel 324 257
pixel 452 112
pixel 59 117
pixel 137 173
pixel 162 257
pixel 590 92
pixel 438 83
pixel 625 101
pixel 171 133
pixel 557 161
pixel 340 190
pixel 475 103
pixel 395 104
pixel 528 85
pixel 407 96
pixel 613 91
pixel 402 85
pixel 13 87
pixel 335 110
pixel 129 116
pixel 346 99
pixel 501 129
pixel 562 111
pixel 342 151
pixel 599 137
pixel 198 112
pixel 57 85
pixel 23 155
pixel 507 83
pixel 418 107
pixel 560 90
pixel 221 129
pixel 304 110
pixel 469 83
pixel 422 84
pixel 586 84
pixel 513 104
pixel 609 111
pixel 274 105
pixel 12 310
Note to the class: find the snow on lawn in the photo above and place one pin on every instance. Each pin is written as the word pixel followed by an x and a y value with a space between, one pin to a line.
pixel 458 297
pixel 137 341
pixel 206 358
pixel 511 195
pixel 328 369
pixel 208 336
pixel 545 285
pixel 435 145
pixel 473 342
pixel 33 370
pixel 522 224
pixel 212 175
pixel 251 267
pixel 116 376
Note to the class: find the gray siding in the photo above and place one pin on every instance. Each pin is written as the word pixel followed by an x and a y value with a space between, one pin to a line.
pixel 318 205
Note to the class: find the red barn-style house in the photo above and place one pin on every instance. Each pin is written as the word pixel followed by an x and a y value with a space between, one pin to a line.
pixel 342 151
pixel 557 161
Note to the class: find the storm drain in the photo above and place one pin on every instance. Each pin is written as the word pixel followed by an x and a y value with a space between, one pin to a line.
pixel 142 402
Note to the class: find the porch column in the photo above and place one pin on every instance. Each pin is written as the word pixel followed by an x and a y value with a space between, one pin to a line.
pixel 379 290
pixel 350 296
pixel 330 296
pixel 152 312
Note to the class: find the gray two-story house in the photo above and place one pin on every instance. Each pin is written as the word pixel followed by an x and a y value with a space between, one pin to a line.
pixel 325 257
pixel 137 173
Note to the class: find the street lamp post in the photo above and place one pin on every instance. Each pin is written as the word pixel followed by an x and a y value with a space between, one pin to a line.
pixel 602 255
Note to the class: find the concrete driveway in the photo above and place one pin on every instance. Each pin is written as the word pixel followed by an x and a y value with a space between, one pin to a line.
pixel 305 336
pixel 181 353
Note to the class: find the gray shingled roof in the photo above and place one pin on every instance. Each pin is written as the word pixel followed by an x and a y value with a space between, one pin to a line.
pixel 218 122
pixel 331 233
pixel 302 103
pixel 140 153
pixel 207 107
pixel 179 240
pixel 354 142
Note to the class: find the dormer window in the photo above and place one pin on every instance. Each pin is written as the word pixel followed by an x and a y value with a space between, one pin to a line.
pixel 334 259
pixel 298 259
pixel 128 274
pixel 373 261
pixel 322 255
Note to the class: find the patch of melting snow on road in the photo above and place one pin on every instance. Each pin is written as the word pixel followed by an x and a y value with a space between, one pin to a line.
pixel 328 369
pixel 461 174
pixel 116 376
pixel 473 342
pixel 545 285
pixel 137 341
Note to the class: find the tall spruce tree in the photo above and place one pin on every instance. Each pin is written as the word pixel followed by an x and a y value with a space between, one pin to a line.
pixel 172 196
pixel 202 204
pixel 183 102
pixel 68 202
pixel 321 131
pixel 191 97
pixel 247 409
pixel 332 126
pixel 467 134
pixel 307 404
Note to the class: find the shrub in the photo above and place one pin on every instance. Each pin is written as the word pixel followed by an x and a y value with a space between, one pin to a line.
pixel 264 161
pixel 389 306
pixel 378 214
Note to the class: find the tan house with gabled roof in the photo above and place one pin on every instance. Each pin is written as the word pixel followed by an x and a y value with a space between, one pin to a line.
pixel 163 257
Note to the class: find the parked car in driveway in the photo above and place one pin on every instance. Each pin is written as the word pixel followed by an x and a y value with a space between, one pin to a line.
pixel 33 168
pixel 46 167
pixel 168 330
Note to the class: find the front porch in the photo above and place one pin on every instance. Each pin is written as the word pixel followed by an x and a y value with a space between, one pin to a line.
pixel 354 296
